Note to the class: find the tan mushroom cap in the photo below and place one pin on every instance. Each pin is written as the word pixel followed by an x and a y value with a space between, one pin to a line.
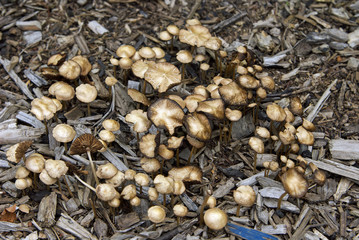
pixel 147 52
pixel 56 59
pixel 289 115
pixel 184 56
pixel 140 67
pixel 294 183
pixel 256 144
pixel 319 175
pixel 166 113
pixel 200 58
pixel 148 145
pixel 56 168
pixel 164 185
pixel 115 202
pixel 263 132
pixel 125 63
pixel 164 152
pixel 186 174
pixel 178 187
pixel 213 108
pixel 110 81
pixel 286 137
pixel 136 57
pixel 137 96
pixel 194 142
pixel 192 101
pixel 86 93
pixel 290 128
pixel 261 92
pixel 159 52
pixel 165 36
pixel 156 214
pixel 201 90
pixel 62 91
pixel 142 179
pixel 180 210
pixel 215 219
pixel 173 29
pixel 152 194
pixel 275 112
pixel 242 70
pixel 63 133
pixel 114 61
pixel 106 171
pixel 198 126
pixel 211 202
pixel 267 83
pixel 17 151
pixel 84 64
pixel 139 119
pixel 218 80
pixel 193 21
pixel 106 192
pixel 175 142
pixel 196 35
pixel 233 115
pixel 248 81
pixel 35 163
pixel 296 106
pixel 22 172
pixel 150 165
pixel 213 43
pixel 178 100
pixel 21 183
pixel 46 178
pixel 308 125
pixel 70 70
pixel 135 201
pixel 163 76
pixel 125 51
pixel 233 94
pixel 204 66
pixel 129 192
pixel 111 125
pixel 107 136
pixel 117 179
pixel 245 196
pixel 304 136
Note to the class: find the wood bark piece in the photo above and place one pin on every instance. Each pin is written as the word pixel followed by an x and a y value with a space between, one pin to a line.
pixel 11 136
pixel 287 206
pixel 81 42
pixel 13 227
pixel 23 87
pixel 29 25
pixel 278 229
pixel 33 77
pixel 68 224
pixel 303 225
pixel 344 149
pixel 97 28
pixel 223 190
pixel 29 119
pixel 47 210
pixel 109 155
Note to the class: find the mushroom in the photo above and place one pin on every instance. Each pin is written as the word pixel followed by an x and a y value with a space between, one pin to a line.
pixel 245 196
pixel 70 70
pixel 318 175
pixel 17 151
pixel 106 171
pixel 156 214
pixel 164 185
pixel 117 179
pixel 110 82
pixel 23 183
pixel 192 101
pixel 62 91
pixel 107 136
pixel 215 219
pixel 136 201
pixel 257 145
pixel 296 106
pixel 184 57
pixel 56 168
pixel 186 174
pixel 139 119
pixel 174 143
pixel 262 132
pixel 163 76
pixel 150 165
pixel 137 96
pixel 64 133
pixel 56 59
pixel 166 113
pixel 130 174
pixel 148 145
pixel 233 94
pixel 196 35
pixel 106 192
pixel 115 202
pixel 304 136
pixel 178 100
pixel 125 51
pixel 22 172
pixel 129 192
pixel 233 116
pixel 111 125
pixel 165 153
pixel 46 178
pixel 142 179
pixel 180 211
pixel 35 163
pixel 152 194
pixel 86 93
pixel 212 108
pixel 84 64
pixel 308 125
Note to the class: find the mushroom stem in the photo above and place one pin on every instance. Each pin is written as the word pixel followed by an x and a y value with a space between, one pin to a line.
pixel 93 168
pixel 46 128
pixel 88 110
pixel 109 93
pixel 84 183
pixel 68 186
pixel 238 210
pixel 114 71
pixel 66 148
pixel 59 185
pixel 190 155
pixel 140 189
pixel 201 210
pixel 255 163
pixel 216 59
pixel 183 69
pixel 162 162
pixel 178 220
pixel 280 200
pixel 220 133
pixel 177 157
pixel 230 132
pixel 144 87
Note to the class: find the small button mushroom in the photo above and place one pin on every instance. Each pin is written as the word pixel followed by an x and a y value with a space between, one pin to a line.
pixel 117 179
pixel 110 81
pixel 46 178
pixel 178 187
pixel 275 112
pixel 233 94
pixel 147 52
pixel 130 174
pixel 106 192
pixel 136 201
pixel 215 219
pixel 111 125
pixel 211 202
pixel 148 145
pixel 258 146
pixel 106 171
pixel 142 179
pixel 70 70
pixel 139 97
pixel 150 165
pixel 84 64
pixel 262 132
pixel 245 196
pixel 304 137
pixel 173 29
pixel 125 51
pixel 180 211
pixel 296 106
pixel 21 184
pixel 62 91
pixel 22 172
pixel 64 133
pixel 35 163
pixel 152 194
pixel 107 136
pixel 129 192
pixel 156 214
pixel 186 174
pixel 56 168
pixel 139 119
pixel 114 202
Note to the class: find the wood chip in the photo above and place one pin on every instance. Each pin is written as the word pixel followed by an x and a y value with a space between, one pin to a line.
pixel 68 224
pixel 344 149
pixel 11 136
pixel 29 25
pixel 97 28
pixel 47 210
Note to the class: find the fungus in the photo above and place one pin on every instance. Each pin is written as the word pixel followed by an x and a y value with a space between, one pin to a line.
pixel 296 106
pixel 17 151
pixel 148 145
pixel 248 82
pixel 304 136
pixel 192 101
pixel 175 143
pixel 56 59
pixel 130 174
pixel 257 145
pixel 163 185
pixel 46 178
pixel 22 172
pixel 56 168
pixel 178 100
pixel 308 125
pixel 152 194
pixel 196 35
pixel 163 76
pixel 142 179
pixel 135 201
pixel 62 91
pixel 70 70
pixel 213 108
pixel 184 57
pixel 84 64
pixel 156 214
pixel 129 192
pixel 107 136
pixel 106 192
pixel 186 174
pixel 244 196
pixel 233 94
pixel 125 51
pixel 137 96
pixel 86 93
pixel 319 175
pixel 233 116
pixel 111 125
pixel 106 171
pixel 150 165
pixel 180 211
pixel 35 163
pixel 117 179
pixel 64 133
pixel 215 219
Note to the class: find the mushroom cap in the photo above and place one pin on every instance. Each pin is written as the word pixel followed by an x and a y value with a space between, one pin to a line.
pixel 212 108
pixel 110 81
pixel 193 21
pixel 106 171
pixel 290 128
pixel 148 145
pixel 263 132
pixel 22 172
pixel 196 35
pixel 163 76
pixel 125 51
pixel 135 201
pixel 261 92
pixel 42 110
pixel 174 142
pixel 173 29
pixel 152 194
pixel 248 81
pixel 184 56
pixel 192 101
pixel 107 136
pixel 140 67
pixel 106 192
pixel 165 36
pixel 273 166
pixel 125 63
pixel 164 185
pixel 294 148
pixel 17 151
pixel 245 196
pixel 70 70
pixel 84 64
pixel 211 202
pixel 62 91
pixel 200 58
pixel 194 142
pixel 177 99
pixel 129 192
pixel 159 52
pixel 150 165
pixel 115 202
pixel 63 133
pixel 180 210
pixel 289 115
pixel 35 163
pixel 114 61
pixel 46 178
pixel 233 115
pixel 218 80
pixel 142 179
pixel 308 125
pixel 186 174
pixel 137 96
pixel 164 152
pixel 147 52
pixel 156 214
pixel 139 119
pixel 56 59
pixel 166 113
pixel 136 56
pixel 117 179
pixel 296 106
pixel 198 126
pixel 233 94
pixel 21 184
pixel 201 90
pixel 85 142
pixel 275 112
pixel 304 136
pixel 286 137
pixel 319 175
pixel 215 219
pixel 56 168
pixel 256 144
pixel 213 43
pixel 267 83
pixel 86 93
pixel 178 187
pixel 294 183
pixel 130 174
pixel 242 70
pixel 111 125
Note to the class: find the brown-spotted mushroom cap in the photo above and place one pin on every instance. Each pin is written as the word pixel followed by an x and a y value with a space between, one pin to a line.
pixel 248 81
pixel 70 70
pixel 56 168
pixel 198 126
pixel 275 112
pixel 84 64
pixel 163 76
pixel 192 101
pixel 148 145
pixel 125 51
pixel 63 133
pixel 17 151
pixel 233 94
pixel 137 96
pixel 294 183
pixel 86 93
pixel 213 108
pixel 111 125
pixel 139 119
pixel 62 91
pixel 35 163
pixel 84 143
pixel 166 113
pixel 267 83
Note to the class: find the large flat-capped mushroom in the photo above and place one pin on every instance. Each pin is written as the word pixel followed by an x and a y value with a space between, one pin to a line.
pixel 139 119
pixel 163 76
pixel 166 113
pixel 198 126
pixel 192 101
pixel 233 94
pixel 196 35
pixel 213 108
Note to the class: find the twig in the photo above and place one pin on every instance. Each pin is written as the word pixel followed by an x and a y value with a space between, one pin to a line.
pixel 228 21
pixel 194 9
